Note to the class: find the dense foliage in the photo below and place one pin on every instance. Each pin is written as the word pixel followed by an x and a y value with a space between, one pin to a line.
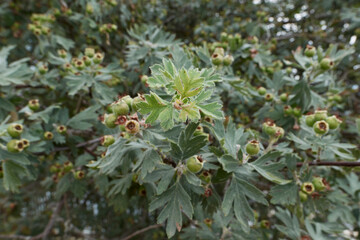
pixel 179 119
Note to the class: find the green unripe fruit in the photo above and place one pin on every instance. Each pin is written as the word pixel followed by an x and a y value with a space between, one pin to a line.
pixel 288 110
pixel 132 126
pixel 48 135
pixel 79 64
pixel 98 58
pixel 223 37
pixel 15 130
pixel 320 115
pixel 208 222
pixel 297 111
pixel 318 183
pixel 261 91
pixel 228 60
pixel 128 100
pixel 310 120
pixel 279 133
pixel 269 97
pixel 86 60
pixel 205 176
pixel 333 122
pixel 110 120
pixel 308 188
pixel 269 70
pixel 89 52
pixel 89 8
pixel 68 166
pixel 288 70
pixel 310 51
pixel 15 146
pixel 43 69
pixel 79 175
pixel 338 98
pixel 284 97
pixel 265 224
pixel 194 164
pixel 326 63
pixel 303 196
pixel 107 140
pixel 321 127
pixel 216 59
pixel 269 128
pixel 62 53
pixel 26 143
pixel 136 101
pixel 55 168
pixel 120 108
pixel 219 51
pixel 252 147
pixel 61 129
pixel 144 79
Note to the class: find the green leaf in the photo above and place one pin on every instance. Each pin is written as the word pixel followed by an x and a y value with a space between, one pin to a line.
pixel 154 105
pixel 284 194
pixel 162 175
pixel 235 199
pixel 188 83
pixel 269 170
pixel 12 175
pixel 292 226
pixel 212 110
pixel 188 145
pixel 120 185
pixel 229 163
pixel 175 201
pixel 82 120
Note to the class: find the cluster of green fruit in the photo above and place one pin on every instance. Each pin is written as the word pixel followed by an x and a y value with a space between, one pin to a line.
pixel 41 23
pixel 321 122
pixel 89 58
pixel 276 66
pixel 325 63
pixel 308 188
pixel 60 171
pixel 17 144
pixel 273 131
pixel 122 113
pixel 218 57
pixel 108 28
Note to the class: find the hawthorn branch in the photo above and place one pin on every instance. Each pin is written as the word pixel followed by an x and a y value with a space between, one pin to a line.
pixel 142 231
pixel 339 164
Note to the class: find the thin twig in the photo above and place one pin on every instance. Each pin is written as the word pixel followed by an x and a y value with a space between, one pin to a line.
pixel 340 164
pixel 142 231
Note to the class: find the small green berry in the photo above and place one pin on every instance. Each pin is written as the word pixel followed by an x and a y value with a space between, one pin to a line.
pixel 33 104
pixel 15 129
pixel 216 59
pixel 15 146
pixel 320 115
pixel 284 97
pixel 79 175
pixel 48 135
pixel 308 188
pixel 318 183
pixel 326 63
pixel 61 129
pixel 132 126
pixel 310 51
pixel 288 110
pixel 252 147
pixel 261 91
pixel 195 164
pixel 303 196
pixel 269 97
pixel 107 140
pixel 310 120
pixel 321 127
pixel 110 120
pixel 120 108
